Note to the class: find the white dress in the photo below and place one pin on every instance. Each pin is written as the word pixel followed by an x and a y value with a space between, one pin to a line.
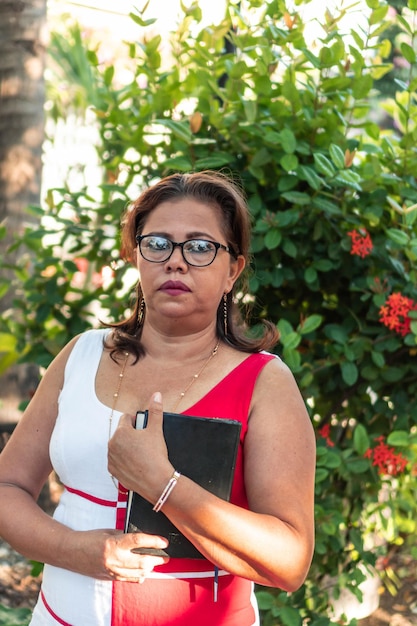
pixel 78 451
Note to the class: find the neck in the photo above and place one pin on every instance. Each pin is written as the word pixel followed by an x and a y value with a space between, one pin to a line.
pixel 178 347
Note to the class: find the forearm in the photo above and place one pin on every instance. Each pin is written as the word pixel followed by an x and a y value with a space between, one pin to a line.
pixel 31 531
pixel 105 554
pixel 256 546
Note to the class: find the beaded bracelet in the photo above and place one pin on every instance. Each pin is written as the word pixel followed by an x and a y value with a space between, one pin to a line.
pixel 165 494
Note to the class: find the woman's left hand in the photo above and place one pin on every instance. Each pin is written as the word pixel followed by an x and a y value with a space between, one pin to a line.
pixel 139 458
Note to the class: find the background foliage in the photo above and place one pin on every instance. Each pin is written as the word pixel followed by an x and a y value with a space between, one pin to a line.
pixel 327 155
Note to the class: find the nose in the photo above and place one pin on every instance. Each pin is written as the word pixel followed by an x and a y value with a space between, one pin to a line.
pixel 176 261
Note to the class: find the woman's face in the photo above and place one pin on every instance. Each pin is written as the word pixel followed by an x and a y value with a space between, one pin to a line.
pixel 175 290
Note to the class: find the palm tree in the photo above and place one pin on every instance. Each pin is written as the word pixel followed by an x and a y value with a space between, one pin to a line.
pixel 22 59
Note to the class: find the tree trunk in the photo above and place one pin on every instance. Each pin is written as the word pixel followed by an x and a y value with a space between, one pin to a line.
pixel 22 95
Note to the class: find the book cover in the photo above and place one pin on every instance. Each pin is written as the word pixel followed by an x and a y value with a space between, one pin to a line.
pixel 203 449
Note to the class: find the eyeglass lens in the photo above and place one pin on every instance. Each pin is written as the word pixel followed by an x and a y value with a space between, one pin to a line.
pixel 199 252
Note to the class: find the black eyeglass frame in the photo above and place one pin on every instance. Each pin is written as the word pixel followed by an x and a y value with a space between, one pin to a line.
pixel 181 244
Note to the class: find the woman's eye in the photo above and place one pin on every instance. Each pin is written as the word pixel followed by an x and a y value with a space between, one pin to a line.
pixel 158 244
pixel 199 246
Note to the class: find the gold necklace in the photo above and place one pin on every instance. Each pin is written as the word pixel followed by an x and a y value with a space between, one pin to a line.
pixel 113 408
pixel 194 378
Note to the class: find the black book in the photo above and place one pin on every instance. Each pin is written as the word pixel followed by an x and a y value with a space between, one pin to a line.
pixel 203 449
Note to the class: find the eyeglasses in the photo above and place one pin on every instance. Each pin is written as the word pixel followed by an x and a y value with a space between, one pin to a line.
pixel 196 252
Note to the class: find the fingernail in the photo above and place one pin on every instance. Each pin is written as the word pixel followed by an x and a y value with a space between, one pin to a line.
pixel 157 396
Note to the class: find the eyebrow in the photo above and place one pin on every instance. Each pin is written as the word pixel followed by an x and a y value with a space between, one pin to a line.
pixel 190 235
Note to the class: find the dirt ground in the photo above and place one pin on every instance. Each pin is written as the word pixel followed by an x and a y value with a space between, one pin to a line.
pixel 398 594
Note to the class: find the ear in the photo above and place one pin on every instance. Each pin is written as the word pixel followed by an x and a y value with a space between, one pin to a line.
pixel 236 268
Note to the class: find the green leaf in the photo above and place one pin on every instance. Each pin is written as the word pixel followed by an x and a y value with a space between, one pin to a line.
pixel 357 466
pixel 288 140
pixel 379 71
pixel 291 340
pixel 289 162
pixel 337 156
pixel 290 616
pixel 408 53
pixel 289 248
pixel 8 342
pixel 361 441
pixel 238 70
pixel 349 178
pixel 273 238
pixel 213 162
pixel 14 617
pixel 378 14
pixel 266 600
pixel 349 372
pixel 310 275
pixel 37 568
pixel 138 20
pixel 251 110
pixel 179 163
pixel 323 265
pixel 292 358
pixel 179 129
pixel 378 358
pixel 92 58
pixel 399 438
pixel 362 86
pixel 284 327
pixel 323 165
pixel 108 75
pixel 398 236
pixel 329 528
pixel 311 323
pixel 315 61
pixel 321 474
pixel 310 175
pixel 326 205
pixel 296 197
pixel 393 374
pixel 329 459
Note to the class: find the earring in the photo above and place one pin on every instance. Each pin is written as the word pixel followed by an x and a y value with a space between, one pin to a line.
pixel 225 313
pixel 141 312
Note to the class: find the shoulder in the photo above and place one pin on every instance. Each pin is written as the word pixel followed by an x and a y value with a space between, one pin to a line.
pixel 73 349
pixel 277 390
pixel 91 339
pixel 270 368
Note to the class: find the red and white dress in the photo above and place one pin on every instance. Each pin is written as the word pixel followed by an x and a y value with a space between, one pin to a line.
pixel 179 593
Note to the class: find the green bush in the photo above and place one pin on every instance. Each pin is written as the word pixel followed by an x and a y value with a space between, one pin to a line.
pixel 329 169
pixel 14 617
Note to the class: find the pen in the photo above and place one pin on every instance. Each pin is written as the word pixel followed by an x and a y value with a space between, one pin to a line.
pixel 216 583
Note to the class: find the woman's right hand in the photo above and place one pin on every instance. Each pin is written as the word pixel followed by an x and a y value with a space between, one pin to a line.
pixel 108 554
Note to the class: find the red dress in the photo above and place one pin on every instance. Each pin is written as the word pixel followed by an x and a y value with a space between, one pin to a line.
pixel 181 593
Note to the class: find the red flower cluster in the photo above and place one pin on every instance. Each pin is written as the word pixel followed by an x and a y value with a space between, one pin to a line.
pixel 361 242
pixel 386 459
pixel 325 433
pixel 394 313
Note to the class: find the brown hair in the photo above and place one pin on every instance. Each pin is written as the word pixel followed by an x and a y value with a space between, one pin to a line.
pixel 213 189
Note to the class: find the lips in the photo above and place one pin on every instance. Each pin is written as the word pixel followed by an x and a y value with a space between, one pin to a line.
pixel 174 287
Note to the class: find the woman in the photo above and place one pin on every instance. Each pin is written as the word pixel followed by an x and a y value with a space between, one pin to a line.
pixel 184 349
